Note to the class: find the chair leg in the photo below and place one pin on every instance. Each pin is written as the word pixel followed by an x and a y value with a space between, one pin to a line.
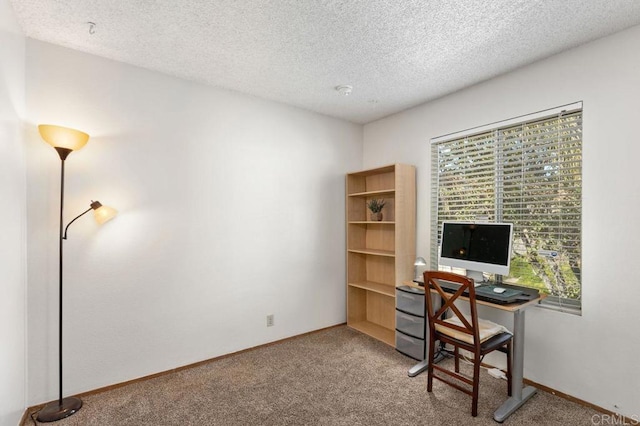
pixel 476 385
pixel 431 358
pixel 509 361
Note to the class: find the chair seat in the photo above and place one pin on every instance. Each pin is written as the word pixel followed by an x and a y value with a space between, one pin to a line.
pixel 487 330
pixel 494 342
pixel 491 344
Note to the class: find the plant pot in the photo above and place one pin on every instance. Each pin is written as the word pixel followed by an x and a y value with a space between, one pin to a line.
pixel 376 216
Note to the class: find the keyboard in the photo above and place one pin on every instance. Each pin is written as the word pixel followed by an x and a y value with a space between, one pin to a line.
pixel 484 292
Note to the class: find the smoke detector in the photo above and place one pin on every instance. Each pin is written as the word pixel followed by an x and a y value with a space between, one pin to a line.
pixel 344 89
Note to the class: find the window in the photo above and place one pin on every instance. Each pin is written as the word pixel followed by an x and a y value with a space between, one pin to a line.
pixel 527 171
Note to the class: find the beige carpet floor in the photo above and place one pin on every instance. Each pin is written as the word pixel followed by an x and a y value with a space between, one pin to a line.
pixel 335 376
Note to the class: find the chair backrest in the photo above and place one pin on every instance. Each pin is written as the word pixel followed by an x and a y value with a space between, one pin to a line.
pixel 435 317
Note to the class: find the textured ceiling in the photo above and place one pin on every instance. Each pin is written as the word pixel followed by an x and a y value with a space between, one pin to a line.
pixel 395 53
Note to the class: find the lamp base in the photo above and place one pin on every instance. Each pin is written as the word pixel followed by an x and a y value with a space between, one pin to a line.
pixel 56 410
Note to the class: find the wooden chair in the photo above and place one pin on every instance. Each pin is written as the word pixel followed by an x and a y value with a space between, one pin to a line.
pixel 462 332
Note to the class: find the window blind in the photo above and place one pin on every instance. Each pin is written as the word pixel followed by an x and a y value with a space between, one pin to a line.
pixel 527 173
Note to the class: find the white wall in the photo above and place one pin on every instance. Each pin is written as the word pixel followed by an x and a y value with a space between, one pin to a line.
pixel 231 208
pixel 12 219
pixel 594 356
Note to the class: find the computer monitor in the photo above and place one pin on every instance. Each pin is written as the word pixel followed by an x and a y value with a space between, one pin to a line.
pixel 477 247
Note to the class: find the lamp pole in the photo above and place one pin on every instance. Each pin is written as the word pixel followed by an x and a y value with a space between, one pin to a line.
pixel 63 157
pixel 64 407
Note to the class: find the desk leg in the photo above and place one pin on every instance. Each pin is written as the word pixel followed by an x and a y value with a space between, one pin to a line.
pixel 422 366
pixel 418 368
pixel 520 394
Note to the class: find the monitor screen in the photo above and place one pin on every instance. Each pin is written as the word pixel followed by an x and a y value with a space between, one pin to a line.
pixel 477 247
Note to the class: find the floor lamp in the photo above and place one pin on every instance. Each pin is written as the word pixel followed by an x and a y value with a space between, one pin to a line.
pixel 65 141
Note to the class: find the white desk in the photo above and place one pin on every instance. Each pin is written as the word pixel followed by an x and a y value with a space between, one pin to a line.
pixel 519 393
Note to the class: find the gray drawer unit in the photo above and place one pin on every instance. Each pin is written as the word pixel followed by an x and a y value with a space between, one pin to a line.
pixel 410 322
pixel 410 346
pixel 410 300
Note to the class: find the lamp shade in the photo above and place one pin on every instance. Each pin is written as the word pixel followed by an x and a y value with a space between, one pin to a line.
pixel 63 137
pixel 103 213
pixel 418 265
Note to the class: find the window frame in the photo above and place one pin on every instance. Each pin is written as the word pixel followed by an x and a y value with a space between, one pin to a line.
pixel 494 130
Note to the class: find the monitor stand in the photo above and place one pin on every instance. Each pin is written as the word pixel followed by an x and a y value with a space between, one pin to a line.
pixel 476 276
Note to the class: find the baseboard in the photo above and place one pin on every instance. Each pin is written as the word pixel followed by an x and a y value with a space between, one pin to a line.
pixel 619 419
pixel 27 412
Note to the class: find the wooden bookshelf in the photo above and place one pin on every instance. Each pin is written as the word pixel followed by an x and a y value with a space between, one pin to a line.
pixel 380 254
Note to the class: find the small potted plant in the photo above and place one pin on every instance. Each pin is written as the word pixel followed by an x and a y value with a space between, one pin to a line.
pixel 376 206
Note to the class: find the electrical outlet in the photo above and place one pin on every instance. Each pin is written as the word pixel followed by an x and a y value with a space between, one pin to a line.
pixel 270 320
